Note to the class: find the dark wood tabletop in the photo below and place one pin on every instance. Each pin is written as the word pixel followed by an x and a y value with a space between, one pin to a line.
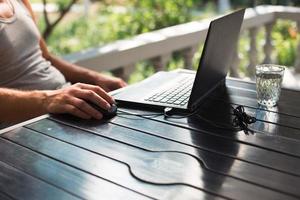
pixel 152 157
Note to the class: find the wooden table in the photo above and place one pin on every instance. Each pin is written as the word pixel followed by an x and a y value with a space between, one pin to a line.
pixel 131 157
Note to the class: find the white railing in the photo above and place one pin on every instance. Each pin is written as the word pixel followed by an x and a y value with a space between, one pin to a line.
pixel 121 56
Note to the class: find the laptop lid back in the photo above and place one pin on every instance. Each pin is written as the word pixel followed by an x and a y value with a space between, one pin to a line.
pixel 221 40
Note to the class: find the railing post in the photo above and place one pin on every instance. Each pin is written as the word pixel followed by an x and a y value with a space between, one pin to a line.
pixel 124 72
pixel 235 63
pixel 188 55
pixel 297 62
pixel 160 62
pixel 252 52
pixel 268 47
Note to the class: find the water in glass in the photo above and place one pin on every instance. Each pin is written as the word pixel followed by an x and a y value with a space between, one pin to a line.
pixel 268 86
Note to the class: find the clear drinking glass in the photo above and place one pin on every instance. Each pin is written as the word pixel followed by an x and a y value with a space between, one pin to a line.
pixel 268 83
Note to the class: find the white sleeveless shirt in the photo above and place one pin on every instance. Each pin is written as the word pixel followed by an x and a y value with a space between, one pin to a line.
pixel 22 65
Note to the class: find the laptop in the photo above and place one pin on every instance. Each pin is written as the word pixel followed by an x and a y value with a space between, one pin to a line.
pixel 185 89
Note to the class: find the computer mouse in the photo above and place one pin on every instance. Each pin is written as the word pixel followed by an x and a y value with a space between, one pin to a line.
pixel 107 114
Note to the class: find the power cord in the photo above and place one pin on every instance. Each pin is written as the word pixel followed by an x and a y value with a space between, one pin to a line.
pixel 241 121
pixel 170 112
pixel 149 115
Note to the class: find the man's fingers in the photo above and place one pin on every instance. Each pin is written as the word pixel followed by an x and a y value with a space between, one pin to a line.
pixel 77 99
pixel 119 83
pixel 86 108
pixel 123 83
pixel 91 96
pixel 75 111
pixel 97 90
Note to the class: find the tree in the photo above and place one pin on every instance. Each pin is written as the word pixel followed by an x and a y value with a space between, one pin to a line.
pixel 64 8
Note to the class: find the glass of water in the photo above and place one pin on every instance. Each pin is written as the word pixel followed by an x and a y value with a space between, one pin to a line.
pixel 268 83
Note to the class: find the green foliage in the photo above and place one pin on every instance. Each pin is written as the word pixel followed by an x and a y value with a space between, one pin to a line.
pixel 113 22
pixel 108 25
pixel 287 53
pixel 285 40
pixel 62 3
pixel 78 35
pixel 155 14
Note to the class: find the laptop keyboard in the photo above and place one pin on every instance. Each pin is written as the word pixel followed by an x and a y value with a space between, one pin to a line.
pixel 176 95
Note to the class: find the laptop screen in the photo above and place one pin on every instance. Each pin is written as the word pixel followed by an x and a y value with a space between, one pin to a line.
pixel 217 56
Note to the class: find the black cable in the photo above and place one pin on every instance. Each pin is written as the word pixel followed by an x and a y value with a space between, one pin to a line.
pixel 151 115
pixel 242 119
pixel 170 112
pixel 239 122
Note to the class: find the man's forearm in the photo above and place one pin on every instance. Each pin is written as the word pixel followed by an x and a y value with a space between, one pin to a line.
pixel 72 72
pixel 75 74
pixel 17 106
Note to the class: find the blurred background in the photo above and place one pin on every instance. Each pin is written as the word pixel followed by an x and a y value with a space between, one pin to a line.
pixel 172 34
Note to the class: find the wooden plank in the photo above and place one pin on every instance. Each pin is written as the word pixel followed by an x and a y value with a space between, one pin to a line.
pixel 265 141
pixel 268 122
pixel 288 102
pixel 4 130
pixel 98 165
pixel 252 103
pixel 222 142
pixel 280 121
pixel 163 167
pixel 274 116
pixel 245 171
pixel 69 179
pixel 19 185
pixel 284 107
pixel 5 196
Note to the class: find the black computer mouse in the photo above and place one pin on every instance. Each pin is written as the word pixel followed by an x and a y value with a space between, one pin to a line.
pixel 107 114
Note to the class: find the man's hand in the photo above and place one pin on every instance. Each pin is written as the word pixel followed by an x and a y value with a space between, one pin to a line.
pixel 73 100
pixel 109 83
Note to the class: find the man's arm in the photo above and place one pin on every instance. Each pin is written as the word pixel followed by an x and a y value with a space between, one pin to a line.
pixel 17 106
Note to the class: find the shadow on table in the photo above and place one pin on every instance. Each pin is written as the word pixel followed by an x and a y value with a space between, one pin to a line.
pixel 216 113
